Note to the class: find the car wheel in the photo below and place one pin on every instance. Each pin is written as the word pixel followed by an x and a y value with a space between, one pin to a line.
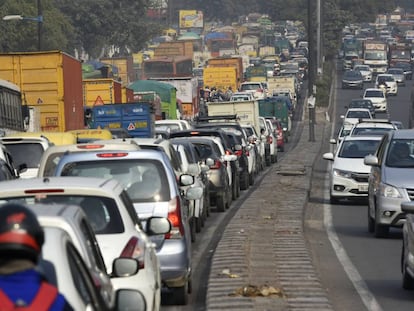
pixel 333 200
pixel 282 148
pixel 251 179
pixel 273 159
pixel 407 279
pixel 380 231
pixel 371 223
pixel 244 184
pixel 268 160
pixel 180 294
pixel 198 223
pixel 221 202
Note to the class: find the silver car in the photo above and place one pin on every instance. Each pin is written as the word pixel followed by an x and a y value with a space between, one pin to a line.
pixel 391 181
pixel 398 74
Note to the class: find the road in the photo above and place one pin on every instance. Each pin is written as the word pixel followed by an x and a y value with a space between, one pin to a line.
pixel 368 276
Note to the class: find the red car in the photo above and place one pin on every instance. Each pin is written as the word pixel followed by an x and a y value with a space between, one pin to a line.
pixel 279 134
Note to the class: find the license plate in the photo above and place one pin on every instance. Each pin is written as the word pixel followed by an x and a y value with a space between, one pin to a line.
pixel 363 188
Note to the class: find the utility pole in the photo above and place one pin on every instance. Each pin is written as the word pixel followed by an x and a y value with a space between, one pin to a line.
pixel 312 57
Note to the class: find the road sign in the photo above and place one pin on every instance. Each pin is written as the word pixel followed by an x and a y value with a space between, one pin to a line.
pixel 131 127
pixel 98 101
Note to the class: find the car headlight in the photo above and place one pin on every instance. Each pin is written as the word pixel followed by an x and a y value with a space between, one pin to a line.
pixel 389 191
pixel 341 173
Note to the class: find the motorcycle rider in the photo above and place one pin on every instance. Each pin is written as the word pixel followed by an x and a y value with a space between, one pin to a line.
pixel 22 287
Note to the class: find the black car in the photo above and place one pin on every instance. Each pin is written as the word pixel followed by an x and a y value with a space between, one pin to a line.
pixel 408 69
pixel 363 103
pixel 352 79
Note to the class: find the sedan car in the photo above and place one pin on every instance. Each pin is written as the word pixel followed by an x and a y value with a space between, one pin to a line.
pixel 365 71
pixel 349 174
pixel 362 103
pixel 353 115
pixel 390 181
pixel 352 79
pixel 398 74
pixel 407 68
pixel 377 97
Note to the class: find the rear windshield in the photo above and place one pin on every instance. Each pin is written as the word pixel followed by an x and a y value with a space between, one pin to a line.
pixel 205 150
pixel 145 180
pixel 26 153
pixel 102 212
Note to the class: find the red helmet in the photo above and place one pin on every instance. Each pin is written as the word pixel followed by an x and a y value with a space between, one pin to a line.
pixel 21 235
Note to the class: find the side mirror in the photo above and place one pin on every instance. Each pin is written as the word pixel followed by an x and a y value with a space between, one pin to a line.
pixel 186 180
pixel 193 169
pixel 194 193
pixel 237 147
pixel 124 267
pixel 332 141
pixel 371 160
pixel 204 168
pixel 229 157
pixel 127 299
pixel 157 225
pixel 209 162
pixel 328 156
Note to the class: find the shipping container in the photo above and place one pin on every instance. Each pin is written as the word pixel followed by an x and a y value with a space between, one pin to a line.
pixel 101 92
pixel 51 81
pixel 127 95
pixel 225 61
pixel 221 78
pixel 125 66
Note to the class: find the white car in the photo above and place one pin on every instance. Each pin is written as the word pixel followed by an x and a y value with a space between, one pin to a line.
pixel 241 96
pixel 113 218
pixel 257 89
pixel 372 127
pixel 353 115
pixel 388 82
pixel 349 174
pixel 365 71
pixel 378 98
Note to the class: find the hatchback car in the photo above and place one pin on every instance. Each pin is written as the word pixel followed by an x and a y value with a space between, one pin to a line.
pixel 398 74
pixel 153 189
pixel 349 175
pixel 352 79
pixel 390 181
pixel 362 103
pixel 353 115
pixel 387 82
pixel 377 97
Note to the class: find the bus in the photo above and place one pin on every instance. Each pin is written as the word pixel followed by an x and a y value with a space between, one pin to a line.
pixel 167 67
pixel 11 108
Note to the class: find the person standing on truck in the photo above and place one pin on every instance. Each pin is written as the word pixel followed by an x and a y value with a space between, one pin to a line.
pixel 229 93
pixel 22 287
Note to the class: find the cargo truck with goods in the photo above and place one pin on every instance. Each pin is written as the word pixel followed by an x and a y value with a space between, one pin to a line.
pixel 137 118
pixel 228 61
pixel 51 82
pixel 375 55
pixel 101 91
pixel 281 84
pixel 219 43
pixel 221 78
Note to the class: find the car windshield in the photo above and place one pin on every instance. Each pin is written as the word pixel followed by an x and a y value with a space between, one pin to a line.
pixel 395 71
pixel 374 93
pixel 361 68
pixel 356 149
pixel 145 180
pixel 385 79
pixel 400 153
pixel 358 114
pixel 249 87
pixel 352 74
pixel 377 131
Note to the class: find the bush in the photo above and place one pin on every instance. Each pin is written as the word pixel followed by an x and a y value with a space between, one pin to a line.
pixel 323 84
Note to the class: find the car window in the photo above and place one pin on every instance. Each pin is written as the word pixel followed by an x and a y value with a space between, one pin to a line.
pixel 92 244
pixel 205 150
pixel 20 151
pixel 400 153
pixel 357 148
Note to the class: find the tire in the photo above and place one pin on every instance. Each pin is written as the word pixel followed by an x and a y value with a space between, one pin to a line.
pixel 268 160
pixel 371 223
pixel 180 294
pixel 407 279
pixel 221 202
pixel 198 223
pixel 244 183
pixel 333 200
pixel 251 179
pixel 380 231
pixel 282 148
pixel 273 159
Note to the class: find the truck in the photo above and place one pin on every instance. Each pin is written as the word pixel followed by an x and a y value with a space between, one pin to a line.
pixel 51 81
pixel 375 55
pixel 220 43
pixel 399 53
pixel 284 84
pixel 276 106
pixel 137 118
pixel 174 48
pixel 228 61
pixel 101 91
pixel 221 77
pixel 125 66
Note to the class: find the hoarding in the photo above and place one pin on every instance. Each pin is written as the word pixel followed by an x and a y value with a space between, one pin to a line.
pixel 191 19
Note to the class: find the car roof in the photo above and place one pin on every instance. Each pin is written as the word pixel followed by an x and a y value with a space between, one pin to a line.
pixel 402 134
pixel 362 137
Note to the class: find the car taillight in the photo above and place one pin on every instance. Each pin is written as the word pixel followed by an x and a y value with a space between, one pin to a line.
pixel 259 90
pixel 246 152
pixel 217 164
pixel 174 216
pixel 135 249
pixel 90 146
pixel 112 155
pixel 238 153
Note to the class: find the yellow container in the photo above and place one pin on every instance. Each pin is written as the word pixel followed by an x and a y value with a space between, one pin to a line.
pixel 56 138
pixel 86 135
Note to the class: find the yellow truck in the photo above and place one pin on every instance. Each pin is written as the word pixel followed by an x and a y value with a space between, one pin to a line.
pixel 50 81
pixel 101 91
pixel 125 66
pixel 221 77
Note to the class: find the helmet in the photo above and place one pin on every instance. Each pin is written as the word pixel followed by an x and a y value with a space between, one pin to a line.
pixel 21 235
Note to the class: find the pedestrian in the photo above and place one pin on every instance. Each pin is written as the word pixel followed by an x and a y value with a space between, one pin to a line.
pixel 22 286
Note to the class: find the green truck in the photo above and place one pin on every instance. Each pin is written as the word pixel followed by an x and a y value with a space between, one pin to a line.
pixel 277 106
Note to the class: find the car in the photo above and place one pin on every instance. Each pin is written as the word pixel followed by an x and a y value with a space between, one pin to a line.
pixel 390 181
pixel 279 133
pixel 109 209
pixel 241 96
pixel 173 125
pixel 272 140
pixel 398 74
pixel 20 146
pixel 362 103
pixel 377 97
pixel 372 127
pixel 257 143
pixel 257 89
pixel 407 68
pixel 352 79
pixel 365 71
pixel 349 174
pixel 50 158
pixel 398 124
pixel 119 232
pixel 407 250
pixel 153 187
pixel 387 82
pixel 353 115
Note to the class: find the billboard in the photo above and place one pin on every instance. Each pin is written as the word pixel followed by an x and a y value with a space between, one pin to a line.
pixel 191 19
